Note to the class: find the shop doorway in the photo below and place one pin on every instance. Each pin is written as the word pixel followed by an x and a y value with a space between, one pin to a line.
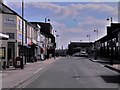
pixel 10 53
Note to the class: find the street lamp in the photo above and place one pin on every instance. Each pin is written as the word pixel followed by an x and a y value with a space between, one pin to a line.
pixel 96 30
pixel 110 18
pixel 39 39
pixel 22 65
pixel 54 31
pixel 57 40
pixel 111 44
pixel 47 19
pixel 88 37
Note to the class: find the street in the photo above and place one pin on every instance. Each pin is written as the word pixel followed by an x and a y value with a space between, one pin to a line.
pixel 75 72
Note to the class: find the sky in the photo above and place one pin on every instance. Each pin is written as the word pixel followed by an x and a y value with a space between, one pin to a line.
pixel 73 21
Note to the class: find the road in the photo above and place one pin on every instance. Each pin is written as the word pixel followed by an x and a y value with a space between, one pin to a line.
pixel 75 72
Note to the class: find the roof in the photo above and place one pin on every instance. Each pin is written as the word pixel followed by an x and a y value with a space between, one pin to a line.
pixel 6 10
pixel 45 28
pixel 80 44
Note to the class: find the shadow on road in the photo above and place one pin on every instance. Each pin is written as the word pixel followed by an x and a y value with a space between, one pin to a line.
pixel 111 79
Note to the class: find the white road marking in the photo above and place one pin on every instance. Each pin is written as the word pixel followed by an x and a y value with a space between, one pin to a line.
pixel 82 82
pixel 38 70
pixel 76 74
pixel 31 80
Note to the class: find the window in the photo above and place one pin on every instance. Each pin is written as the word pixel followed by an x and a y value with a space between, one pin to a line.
pixel 18 24
pixel 2 52
pixel 11 35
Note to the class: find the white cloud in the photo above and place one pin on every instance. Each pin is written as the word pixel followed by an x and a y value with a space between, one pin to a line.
pixel 62 28
pixel 69 10
pixel 58 24
pixel 93 21
pixel 74 9
pixel 63 0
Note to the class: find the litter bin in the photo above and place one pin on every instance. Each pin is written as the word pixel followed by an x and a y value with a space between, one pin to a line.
pixel 4 65
pixel 18 63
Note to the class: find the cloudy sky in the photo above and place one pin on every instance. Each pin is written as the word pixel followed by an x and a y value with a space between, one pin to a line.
pixel 73 21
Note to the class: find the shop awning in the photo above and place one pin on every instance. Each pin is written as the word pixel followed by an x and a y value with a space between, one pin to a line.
pixel 4 36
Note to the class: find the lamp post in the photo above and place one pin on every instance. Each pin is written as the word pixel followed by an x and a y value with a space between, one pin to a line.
pixel 111 44
pixel 39 39
pixel 88 37
pixel 47 19
pixel 96 30
pixel 110 18
pixel 22 65
pixel 57 36
pixel 54 31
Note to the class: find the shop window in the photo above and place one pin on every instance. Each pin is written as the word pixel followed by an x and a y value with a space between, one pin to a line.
pixel 2 52
pixel 11 35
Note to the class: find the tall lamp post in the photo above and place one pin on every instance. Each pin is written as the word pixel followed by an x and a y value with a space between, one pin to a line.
pixel 111 44
pixel 22 65
pixel 110 19
pixel 88 37
pixel 39 38
pixel 54 31
pixel 96 30
pixel 46 19
pixel 57 36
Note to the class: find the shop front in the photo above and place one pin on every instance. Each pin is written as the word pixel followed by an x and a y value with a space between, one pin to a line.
pixel 3 50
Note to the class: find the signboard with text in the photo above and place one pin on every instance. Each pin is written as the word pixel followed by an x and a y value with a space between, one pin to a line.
pixel 10 20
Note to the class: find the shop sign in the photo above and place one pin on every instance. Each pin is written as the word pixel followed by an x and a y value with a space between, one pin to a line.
pixel 2 52
pixel 10 20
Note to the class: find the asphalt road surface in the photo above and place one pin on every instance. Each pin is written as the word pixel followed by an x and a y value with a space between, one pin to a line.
pixel 75 72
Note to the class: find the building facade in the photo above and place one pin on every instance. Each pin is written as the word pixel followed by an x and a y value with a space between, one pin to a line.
pixel 74 47
pixel 12 24
pixel 109 45
pixel 26 39
pixel 47 40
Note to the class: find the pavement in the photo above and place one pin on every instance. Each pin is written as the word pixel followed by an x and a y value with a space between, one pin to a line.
pixel 12 77
pixel 106 62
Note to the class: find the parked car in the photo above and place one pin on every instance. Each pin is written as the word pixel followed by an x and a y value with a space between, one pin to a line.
pixel 83 54
pixel 76 54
